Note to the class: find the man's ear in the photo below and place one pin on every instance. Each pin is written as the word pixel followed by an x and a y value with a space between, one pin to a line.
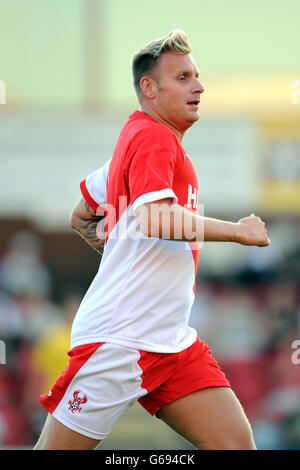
pixel 148 87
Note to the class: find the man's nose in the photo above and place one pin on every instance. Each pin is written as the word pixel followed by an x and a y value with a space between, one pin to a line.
pixel 199 88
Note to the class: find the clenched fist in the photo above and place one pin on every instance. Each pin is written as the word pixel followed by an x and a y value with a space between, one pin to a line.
pixel 251 231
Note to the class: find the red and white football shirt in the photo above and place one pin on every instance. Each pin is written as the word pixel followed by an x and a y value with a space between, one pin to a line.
pixel 142 295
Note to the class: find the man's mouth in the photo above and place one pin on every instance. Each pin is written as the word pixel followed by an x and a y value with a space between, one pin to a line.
pixel 194 103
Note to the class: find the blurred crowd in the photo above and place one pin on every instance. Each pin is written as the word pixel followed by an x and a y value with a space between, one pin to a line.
pixel 250 323
pixel 252 330
pixel 36 333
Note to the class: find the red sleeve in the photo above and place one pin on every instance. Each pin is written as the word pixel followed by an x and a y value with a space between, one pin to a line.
pixel 86 195
pixel 152 163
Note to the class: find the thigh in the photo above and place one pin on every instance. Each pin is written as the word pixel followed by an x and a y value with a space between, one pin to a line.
pixel 211 418
pixel 56 436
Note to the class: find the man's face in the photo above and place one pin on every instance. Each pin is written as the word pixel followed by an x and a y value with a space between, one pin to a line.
pixel 177 90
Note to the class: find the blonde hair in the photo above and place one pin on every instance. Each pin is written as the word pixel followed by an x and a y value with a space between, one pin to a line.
pixel 144 61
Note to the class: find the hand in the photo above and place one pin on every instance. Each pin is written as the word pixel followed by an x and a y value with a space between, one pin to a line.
pixel 251 231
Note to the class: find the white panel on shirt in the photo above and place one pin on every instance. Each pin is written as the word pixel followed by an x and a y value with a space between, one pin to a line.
pixel 141 296
pixel 96 183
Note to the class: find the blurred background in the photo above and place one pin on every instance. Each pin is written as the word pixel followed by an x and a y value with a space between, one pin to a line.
pixel 65 67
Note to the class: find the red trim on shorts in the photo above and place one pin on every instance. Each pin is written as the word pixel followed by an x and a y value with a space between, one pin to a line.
pixel 178 374
pixel 156 368
pixel 91 202
pixel 78 357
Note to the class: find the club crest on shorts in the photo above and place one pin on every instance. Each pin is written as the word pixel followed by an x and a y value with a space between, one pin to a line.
pixel 78 400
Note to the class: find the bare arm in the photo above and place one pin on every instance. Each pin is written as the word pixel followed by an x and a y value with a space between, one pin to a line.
pixel 90 226
pixel 169 221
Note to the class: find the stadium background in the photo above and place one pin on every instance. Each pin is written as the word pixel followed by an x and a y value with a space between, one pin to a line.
pixel 66 67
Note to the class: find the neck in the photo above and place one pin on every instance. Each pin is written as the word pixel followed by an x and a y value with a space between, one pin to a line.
pixel 146 109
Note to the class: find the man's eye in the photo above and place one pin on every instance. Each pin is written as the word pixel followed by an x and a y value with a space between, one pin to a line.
pixel 182 78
